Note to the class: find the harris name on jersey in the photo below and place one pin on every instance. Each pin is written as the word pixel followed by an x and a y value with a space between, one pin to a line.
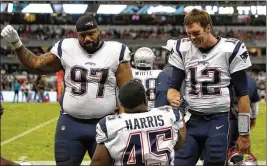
pixel 146 122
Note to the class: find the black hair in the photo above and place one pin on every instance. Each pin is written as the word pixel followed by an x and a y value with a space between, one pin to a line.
pixel 132 94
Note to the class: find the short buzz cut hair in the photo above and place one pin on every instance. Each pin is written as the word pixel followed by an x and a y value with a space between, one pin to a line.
pixel 132 94
pixel 198 16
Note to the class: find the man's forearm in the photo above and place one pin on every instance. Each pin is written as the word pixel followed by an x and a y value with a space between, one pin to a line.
pixel 243 104
pixel 124 74
pixel 43 64
pixel 27 58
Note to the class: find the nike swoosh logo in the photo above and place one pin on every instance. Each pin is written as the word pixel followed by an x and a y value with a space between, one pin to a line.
pixel 219 127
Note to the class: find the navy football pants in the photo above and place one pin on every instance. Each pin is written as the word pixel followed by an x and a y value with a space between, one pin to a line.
pixel 73 138
pixel 208 134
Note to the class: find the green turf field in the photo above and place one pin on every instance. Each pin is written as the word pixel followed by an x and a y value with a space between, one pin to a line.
pixel 35 143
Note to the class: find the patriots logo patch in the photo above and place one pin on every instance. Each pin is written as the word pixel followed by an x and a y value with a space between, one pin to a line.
pixel 244 56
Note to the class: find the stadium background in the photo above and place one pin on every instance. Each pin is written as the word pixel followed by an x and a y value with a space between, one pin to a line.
pixel 27 127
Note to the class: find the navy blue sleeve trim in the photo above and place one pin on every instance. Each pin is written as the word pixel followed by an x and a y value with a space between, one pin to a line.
pixel 253 91
pixel 177 78
pixel 236 49
pixel 255 98
pixel 59 48
pixel 240 82
pixel 163 82
pixel 178 48
pixel 103 126
pixel 122 52
pixel 177 114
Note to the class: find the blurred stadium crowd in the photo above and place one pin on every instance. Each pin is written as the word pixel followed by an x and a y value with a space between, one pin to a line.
pixel 163 32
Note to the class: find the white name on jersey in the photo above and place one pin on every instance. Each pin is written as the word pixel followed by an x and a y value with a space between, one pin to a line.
pixel 149 80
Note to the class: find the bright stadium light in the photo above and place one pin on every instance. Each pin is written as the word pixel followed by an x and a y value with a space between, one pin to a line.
pixel 10 7
pixel 189 8
pixel 261 10
pixel 226 10
pixel 161 9
pixel 37 8
pixel 74 8
pixel 111 9
pixel 3 7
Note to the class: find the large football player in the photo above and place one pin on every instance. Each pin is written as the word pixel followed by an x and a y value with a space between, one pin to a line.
pixel 92 71
pixel 143 60
pixel 208 64
pixel 138 136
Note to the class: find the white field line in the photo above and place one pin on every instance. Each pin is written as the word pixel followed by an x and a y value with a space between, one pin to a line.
pixel 28 131
pixel 88 163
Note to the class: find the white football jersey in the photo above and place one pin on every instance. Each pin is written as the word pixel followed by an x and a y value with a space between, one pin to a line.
pixel 141 138
pixel 89 81
pixel 208 75
pixel 149 80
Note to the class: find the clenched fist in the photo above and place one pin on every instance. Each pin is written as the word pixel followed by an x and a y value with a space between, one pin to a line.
pixel 174 98
pixel 11 35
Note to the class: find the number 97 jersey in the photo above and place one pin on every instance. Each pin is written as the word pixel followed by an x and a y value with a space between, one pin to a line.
pixel 149 80
pixel 90 79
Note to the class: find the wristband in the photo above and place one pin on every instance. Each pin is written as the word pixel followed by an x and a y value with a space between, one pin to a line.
pixel 17 44
pixel 244 123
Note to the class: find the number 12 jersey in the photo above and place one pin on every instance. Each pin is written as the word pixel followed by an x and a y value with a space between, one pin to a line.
pixel 208 74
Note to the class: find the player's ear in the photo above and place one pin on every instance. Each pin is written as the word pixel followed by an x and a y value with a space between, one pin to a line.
pixel 208 28
pixel 98 31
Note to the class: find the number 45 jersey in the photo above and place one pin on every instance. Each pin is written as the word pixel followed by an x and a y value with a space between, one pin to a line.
pixel 149 80
pixel 141 138
pixel 208 75
pixel 89 80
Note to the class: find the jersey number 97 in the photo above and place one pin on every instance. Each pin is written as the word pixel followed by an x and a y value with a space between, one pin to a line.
pixel 83 81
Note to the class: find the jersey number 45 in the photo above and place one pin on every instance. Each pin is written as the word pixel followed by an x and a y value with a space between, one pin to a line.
pixel 135 152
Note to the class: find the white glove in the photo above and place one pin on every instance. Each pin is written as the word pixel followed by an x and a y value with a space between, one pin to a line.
pixel 11 35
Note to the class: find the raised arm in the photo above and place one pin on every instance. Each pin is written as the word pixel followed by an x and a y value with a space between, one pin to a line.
pixel 123 75
pixel 44 64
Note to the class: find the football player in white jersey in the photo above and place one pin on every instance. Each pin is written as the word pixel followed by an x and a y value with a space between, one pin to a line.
pixel 143 60
pixel 92 71
pixel 208 64
pixel 138 136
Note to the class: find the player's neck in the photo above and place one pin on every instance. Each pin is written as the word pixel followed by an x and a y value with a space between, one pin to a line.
pixel 212 41
pixel 101 43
